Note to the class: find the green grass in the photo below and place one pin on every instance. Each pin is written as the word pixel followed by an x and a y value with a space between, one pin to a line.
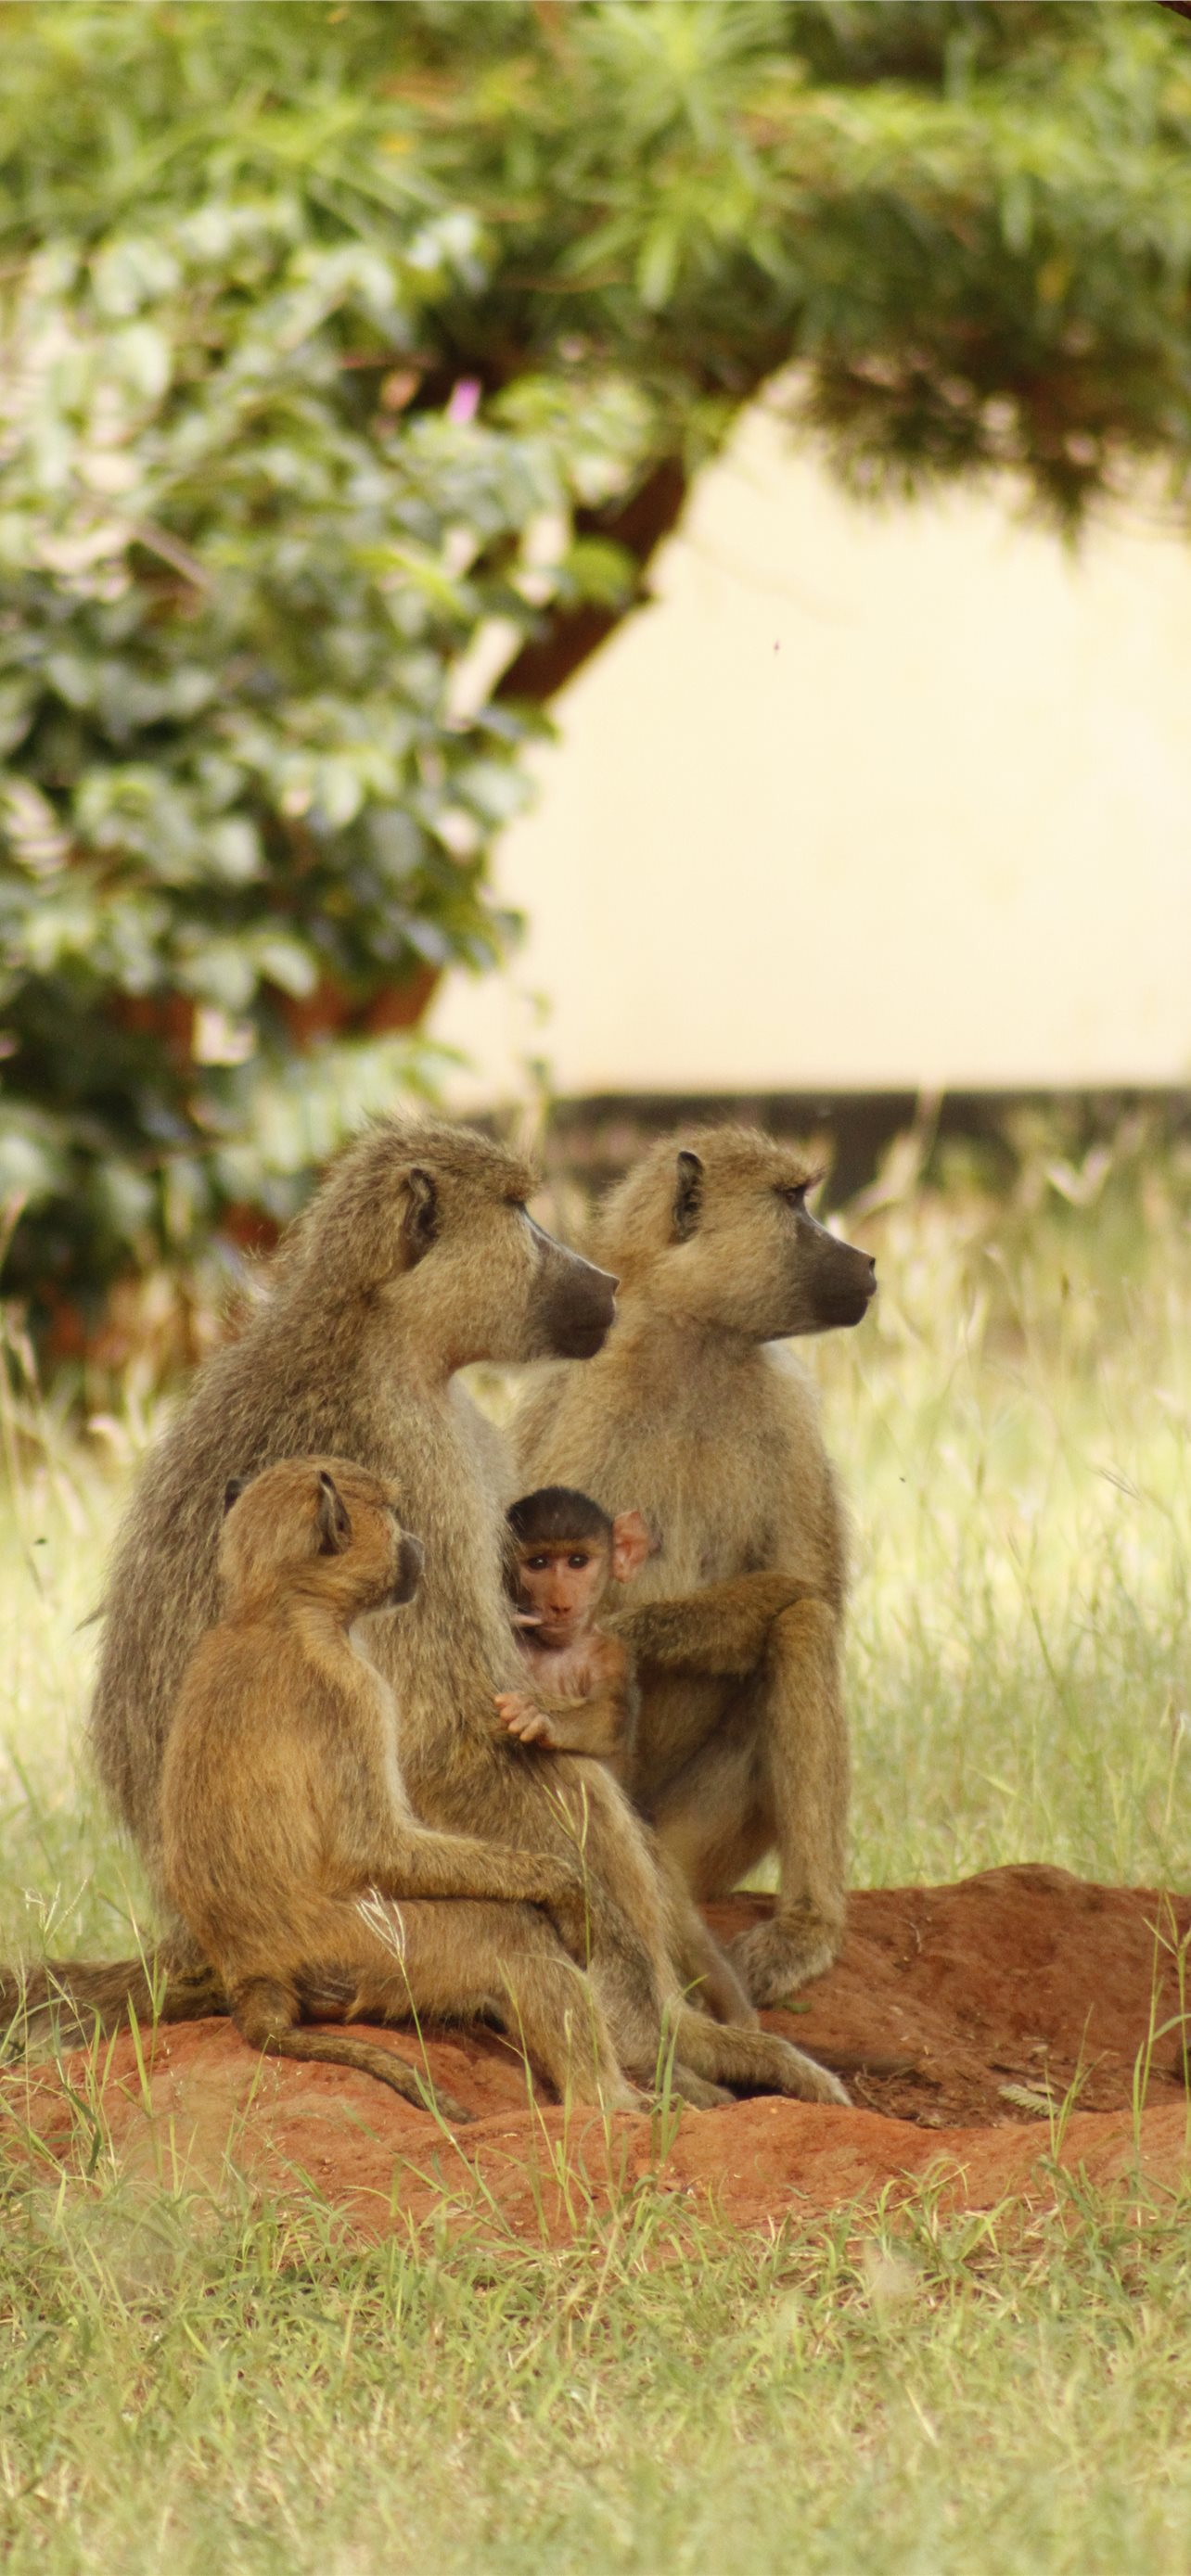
pixel 222 2383
pixel 253 2394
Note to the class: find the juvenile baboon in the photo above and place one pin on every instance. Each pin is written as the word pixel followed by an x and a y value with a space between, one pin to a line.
pixel 288 1847
pixel 688 1416
pixel 415 1257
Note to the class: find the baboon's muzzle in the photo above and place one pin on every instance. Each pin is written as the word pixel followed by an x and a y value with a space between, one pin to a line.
pixel 580 1309
pixel 410 1561
pixel 845 1287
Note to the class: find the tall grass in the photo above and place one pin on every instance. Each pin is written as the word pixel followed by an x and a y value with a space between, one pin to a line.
pixel 1012 1424
pixel 216 2382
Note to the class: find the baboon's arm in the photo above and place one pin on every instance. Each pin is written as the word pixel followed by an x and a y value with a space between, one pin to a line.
pixel 595 1726
pixel 722 1630
pixel 599 1721
pixel 417 1863
pixel 596 1715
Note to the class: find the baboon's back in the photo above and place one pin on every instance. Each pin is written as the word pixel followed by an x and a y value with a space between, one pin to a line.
pixel 254 1403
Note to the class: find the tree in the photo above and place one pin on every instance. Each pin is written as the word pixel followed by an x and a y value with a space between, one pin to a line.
pixel 356 360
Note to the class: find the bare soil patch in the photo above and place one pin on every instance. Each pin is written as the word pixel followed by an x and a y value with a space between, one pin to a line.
pixel 962 2018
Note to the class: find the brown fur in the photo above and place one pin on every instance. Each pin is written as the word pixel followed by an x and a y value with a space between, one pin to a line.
pixel 584 1696
pixel 581 1695
pixel 686 1414
pixel 282 1807
pixel 414 1258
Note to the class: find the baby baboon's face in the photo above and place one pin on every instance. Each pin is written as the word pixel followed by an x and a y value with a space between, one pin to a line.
pixel 559 1585
pixel 319 1526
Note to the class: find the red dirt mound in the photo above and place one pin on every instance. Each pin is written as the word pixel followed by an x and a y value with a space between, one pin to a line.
pixel 961 2017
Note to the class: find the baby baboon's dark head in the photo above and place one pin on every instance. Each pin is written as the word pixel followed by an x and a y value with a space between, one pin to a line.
pixel 715 1228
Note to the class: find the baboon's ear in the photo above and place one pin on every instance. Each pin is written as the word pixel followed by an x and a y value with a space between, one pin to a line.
pixel 420 1224
pixel 232 1492
pixel 688 1194
pixel 332 1520
pixel 632 1542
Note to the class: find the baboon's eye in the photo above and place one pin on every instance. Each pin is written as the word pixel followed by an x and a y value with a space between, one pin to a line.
pixel 578 1561
pixel 796 1197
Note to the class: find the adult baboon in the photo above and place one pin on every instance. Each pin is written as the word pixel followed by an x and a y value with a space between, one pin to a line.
pixel 687 1415
pixel 415 1257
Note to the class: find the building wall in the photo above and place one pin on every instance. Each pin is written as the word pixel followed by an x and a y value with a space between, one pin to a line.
pixel 865 800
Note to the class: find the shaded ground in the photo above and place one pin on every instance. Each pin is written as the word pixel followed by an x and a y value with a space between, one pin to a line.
pixel 982 2027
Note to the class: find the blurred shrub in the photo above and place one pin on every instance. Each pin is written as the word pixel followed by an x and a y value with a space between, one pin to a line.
pixel 349 351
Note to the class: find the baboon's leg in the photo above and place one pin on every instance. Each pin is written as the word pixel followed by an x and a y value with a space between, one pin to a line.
pixel 804 1742
pixel 705 1972
pixel 632 1965
pixel 713 1820
pixel 266 2015
pixel 776 1772
pixel 686 2086
pixel 756 2060
pixel 469 1961
pixel 418 1864
pixel 631 1968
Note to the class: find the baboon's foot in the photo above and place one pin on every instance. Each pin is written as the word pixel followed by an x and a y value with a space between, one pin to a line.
pixel 605 2092
pixel 757 2061
pixel 776 1958
pixel 674 2080
pixel 625 2096
pixel 807 2081
pixel 696 2089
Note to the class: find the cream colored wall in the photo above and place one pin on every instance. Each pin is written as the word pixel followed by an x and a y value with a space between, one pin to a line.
pixel 862 800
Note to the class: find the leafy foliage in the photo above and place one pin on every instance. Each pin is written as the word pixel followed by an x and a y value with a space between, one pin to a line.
pixel 340 347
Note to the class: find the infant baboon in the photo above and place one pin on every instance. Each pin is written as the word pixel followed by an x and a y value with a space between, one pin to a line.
pixel 688 1417
pixel 288 1847
pixel 563 1554
pixel 415 1257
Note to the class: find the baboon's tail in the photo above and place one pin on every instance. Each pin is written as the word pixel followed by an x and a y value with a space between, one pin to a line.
pixel 332 2048
pixel 74 1997
pixel 266 2016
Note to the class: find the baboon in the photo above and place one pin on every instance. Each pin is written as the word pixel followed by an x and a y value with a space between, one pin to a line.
pixel 288 1848
pixel 415 1257
pixel 563 1554
pixel 687 1415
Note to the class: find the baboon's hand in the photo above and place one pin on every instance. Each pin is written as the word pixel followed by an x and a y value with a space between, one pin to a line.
pixel 774 1959
pixel 521 1716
